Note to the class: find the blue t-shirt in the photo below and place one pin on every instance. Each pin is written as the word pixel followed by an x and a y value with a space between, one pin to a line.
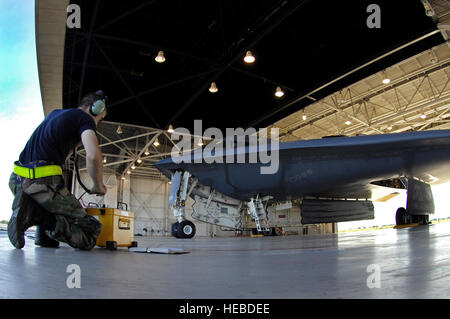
pixel 56 136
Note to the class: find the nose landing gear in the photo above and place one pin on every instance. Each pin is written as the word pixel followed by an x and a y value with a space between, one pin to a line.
pixel 178 194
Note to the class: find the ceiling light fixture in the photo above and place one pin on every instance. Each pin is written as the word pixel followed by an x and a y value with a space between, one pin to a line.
pixel 160 57
pixel 213 88
pixel 119 130
pixel 104 159
pixel 279 92
pixel 156 143
pixel 423 116
pixel 385 80
pixel 170 129
pixel 200 142
pixel 139 160
pixel 348 122
pixel 428 8
pixel 304 117
pixel 147 152
pixel 133 166
pixel 249 57
pixel 432 57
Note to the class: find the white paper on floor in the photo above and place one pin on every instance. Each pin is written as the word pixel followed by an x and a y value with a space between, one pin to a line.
pixel 158 250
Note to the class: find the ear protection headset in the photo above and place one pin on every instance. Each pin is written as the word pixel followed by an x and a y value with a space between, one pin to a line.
pixel 99 106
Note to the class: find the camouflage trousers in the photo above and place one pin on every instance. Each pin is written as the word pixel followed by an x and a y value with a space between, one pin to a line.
pixel 73 225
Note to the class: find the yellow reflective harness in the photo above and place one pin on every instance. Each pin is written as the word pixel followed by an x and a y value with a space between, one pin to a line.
pixel 37 172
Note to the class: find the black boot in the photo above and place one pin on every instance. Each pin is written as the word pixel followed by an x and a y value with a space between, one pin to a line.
pixel 41 239
pixel 16 230
pixel 22 218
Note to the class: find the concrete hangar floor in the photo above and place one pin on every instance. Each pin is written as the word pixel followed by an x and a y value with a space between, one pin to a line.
pixel 387 263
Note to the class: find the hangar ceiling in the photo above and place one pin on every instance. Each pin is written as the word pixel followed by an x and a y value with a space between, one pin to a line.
pixel 131 149
pixel 299 45
pixel 416 98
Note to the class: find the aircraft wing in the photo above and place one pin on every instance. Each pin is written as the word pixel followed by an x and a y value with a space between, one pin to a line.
pixel 340 167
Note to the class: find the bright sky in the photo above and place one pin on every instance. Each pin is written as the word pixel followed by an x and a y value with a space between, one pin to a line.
pixel 21 108
pixel 385 212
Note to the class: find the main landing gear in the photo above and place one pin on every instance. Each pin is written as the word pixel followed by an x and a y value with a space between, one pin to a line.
pixel 403 218
pixel 419 204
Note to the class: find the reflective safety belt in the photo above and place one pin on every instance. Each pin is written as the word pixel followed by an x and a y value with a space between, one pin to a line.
pixel 37 172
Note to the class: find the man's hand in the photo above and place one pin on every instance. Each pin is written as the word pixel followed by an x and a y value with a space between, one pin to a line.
pixel 98 190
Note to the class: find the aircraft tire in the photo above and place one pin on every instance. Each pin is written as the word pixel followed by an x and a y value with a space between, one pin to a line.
pixel 267 233
pixel 402 217
pixel 276 231
pixel 186 229
pixel 421 219
pixel 175 227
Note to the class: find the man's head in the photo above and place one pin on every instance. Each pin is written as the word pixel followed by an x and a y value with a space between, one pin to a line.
pixel 94 104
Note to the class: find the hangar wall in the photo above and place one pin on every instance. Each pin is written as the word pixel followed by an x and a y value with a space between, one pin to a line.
pixel 147 198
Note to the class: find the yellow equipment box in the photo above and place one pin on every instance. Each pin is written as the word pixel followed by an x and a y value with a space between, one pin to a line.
pixel 118 227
